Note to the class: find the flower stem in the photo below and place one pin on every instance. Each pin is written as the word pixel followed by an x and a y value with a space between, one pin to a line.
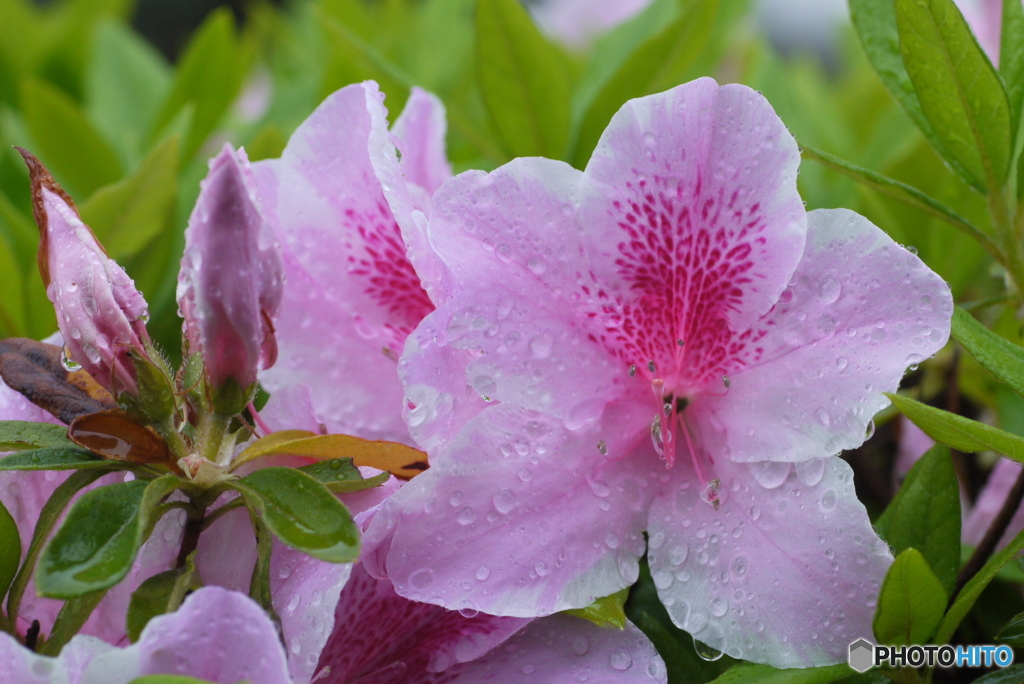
pixel 992 536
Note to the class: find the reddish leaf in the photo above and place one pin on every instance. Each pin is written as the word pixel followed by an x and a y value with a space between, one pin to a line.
pixel 115 435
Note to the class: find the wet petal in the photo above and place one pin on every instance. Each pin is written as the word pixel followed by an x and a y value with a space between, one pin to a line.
pixel 561 648
pixel 837 339
pixel 519 516
pixel 787 572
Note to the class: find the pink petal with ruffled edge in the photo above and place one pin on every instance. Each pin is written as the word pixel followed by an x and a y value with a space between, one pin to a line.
pixel 786 572
pixel 217 635
pixel 561 649
pixel 835 341
pixel 496 526
pixel 341 202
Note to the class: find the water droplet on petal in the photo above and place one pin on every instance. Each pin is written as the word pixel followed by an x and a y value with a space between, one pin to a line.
pixel 620 660
pixel 706 652
pixel 70 365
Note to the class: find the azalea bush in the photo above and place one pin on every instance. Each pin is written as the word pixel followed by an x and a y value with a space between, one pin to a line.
pixel 467 340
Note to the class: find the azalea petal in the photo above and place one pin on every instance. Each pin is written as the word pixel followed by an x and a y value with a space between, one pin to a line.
pixel 511 233
pixel 18 665
pixel 377 630
pixel 577 22
pixel 324 200
pixel 837 339
pixel 218 635
pixel 542 521
pixel 703 179
pixel 561 648
pixel 787 572
pixel 337 359
pixel 420 130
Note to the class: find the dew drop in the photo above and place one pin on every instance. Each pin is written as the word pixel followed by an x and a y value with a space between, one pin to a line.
pixel 580 645
pixel 709 493
pixel 620 660
pixel 656 436
pixel 70 365
pixel 828 290
pixel 504 500
pixel 632 371
pixel 541 345
pixel 602 447
pixel 706 652
pixel 482 573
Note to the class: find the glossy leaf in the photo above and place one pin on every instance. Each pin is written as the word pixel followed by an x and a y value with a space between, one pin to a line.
pixel 340 475
pixel 910 603
pixel 925 515
pixel 48 517
pixel 608 611
pixel 97 543
pixel 523 80
pixel 127 215
pixel 959 432
pixel 875 23
pixel 65 139
pixel 765 674
pixel 10 549
pixel 999 356
pixel 160 594
pixel 959 91
pixel 302 513
pixel 972 590
pixel 398 459
pixel 1012 632
pixel 1011 675
pixel 56 458
pixel 18 435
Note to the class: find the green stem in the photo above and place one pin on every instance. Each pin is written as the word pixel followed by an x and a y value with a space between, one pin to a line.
pixel 69 621
pixel 213 427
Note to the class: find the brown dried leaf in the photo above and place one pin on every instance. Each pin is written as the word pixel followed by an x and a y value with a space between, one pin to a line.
pixel 35 369
pixel 115 435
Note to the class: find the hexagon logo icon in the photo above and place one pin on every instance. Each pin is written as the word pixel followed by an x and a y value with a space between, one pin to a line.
pixel 861 655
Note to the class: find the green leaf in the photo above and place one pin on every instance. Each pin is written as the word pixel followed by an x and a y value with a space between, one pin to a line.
pixel 48 517
pixel 340 475
pixel 875 23
pixel 972 590
pixel 925 515
pixel 66 141
pixel 605 612
pixel 765 674
pixel 127 215
pixel 523 80
pixel 660 63
pixel 209 76
pixel 17 435
pixel 911 602
pixel 900 191
pixel 12 305
pixel 160 594
pixel 10 549
pixel 999 356
pixel 958 432
pixel 59 458
pixel 302 513
pixel 97 543
pixel 1011 56
pixel 1011 675
pixel 959 91
pixel 126 80
pixel 1012 632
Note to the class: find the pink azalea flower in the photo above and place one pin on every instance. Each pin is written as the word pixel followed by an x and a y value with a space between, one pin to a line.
pixel 230 283
pixel 224 637
pixel 350 215
pixel 666 343
pixel 100 313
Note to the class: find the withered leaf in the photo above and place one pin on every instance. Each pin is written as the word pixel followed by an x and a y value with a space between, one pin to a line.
pixel 35 370
pixel 114 434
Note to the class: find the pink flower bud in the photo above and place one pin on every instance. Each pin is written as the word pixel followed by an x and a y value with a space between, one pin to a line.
pixel 230 283
pixel 100 313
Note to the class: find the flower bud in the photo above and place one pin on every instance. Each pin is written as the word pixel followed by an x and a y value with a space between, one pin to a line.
pixel 230 283
pixel 100 313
